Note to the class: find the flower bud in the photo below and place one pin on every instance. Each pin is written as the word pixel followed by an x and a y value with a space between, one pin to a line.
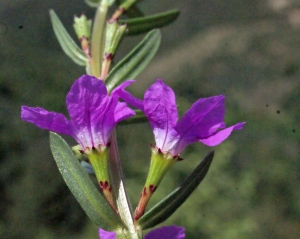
pixel 82 28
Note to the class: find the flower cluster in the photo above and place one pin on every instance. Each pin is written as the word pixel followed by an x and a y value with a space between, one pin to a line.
pixel 94 114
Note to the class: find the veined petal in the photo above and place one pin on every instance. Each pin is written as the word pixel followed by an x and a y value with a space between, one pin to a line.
pixel 166 141
pixel 170 232
pixel 160 108
pixel 86 100
pixel 46 120
pixel 107 235
pixel 220 136
pixel 160 105
pixel 113 113
pixel 203 119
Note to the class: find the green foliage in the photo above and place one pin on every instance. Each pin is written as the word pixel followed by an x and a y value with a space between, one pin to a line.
pixel 66 42
pixel 132 64
pixel 250 53
pixel 95 206
pixel 144 24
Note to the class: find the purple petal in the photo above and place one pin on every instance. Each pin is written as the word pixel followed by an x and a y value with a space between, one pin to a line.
pixel 160 108
pixel 220 136
pixel 203 119
pixel 46 120
pixel 114 112
pixel 170 232
pixel 122 111
pixel 107 235
pixel 87 100
pixel 127 97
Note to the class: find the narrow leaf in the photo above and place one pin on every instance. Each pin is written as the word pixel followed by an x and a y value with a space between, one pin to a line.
pixel 144 24
pixel 130 66
pixel 66 42
pixel 95 206
pixel 165 208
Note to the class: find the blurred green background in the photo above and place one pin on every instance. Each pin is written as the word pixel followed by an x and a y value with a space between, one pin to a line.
pixel 248 50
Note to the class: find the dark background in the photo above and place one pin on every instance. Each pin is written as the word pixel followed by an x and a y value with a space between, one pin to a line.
pixel 248 50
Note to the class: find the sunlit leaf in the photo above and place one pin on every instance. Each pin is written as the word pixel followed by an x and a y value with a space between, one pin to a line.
pixel 92 202
pixel 66 42
pixel 132 65
pixel 147 23
pixel 165 208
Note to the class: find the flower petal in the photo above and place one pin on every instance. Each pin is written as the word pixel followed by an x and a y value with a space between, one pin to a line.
pixel 127 97
pixel 46 120
pixel 160 108
pixel 113 113
pixel 169 232
pixel 107 235
pixel 122 111
pixel 87 100
pixel 203 119
pixel 86 96
pixel 220 136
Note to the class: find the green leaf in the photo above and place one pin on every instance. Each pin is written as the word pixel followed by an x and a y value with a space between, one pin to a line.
pixel 66 42
pixel 144 24
pixel 130 66
pixel 92 202
pixel 165 208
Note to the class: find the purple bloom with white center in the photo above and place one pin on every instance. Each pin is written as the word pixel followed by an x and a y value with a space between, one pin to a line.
pixel 202 122
pixel 169 232
pixel 94 113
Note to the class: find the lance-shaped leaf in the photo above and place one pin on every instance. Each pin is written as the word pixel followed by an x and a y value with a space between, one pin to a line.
pixel 66 42
pixel 144 24
pixel 165 208
pixel 130 66
pixel 95 206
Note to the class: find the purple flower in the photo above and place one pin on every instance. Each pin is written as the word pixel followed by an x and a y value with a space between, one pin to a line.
pixel 93 112
pixel 169 232
pixel 202 122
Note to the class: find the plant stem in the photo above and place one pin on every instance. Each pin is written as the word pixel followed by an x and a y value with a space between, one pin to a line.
pixel 98 39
